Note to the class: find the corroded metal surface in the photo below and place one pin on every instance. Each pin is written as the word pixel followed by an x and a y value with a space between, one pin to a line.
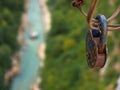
pixel 96 49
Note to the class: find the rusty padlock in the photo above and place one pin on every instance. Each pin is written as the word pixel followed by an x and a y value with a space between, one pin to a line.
pixel 96 47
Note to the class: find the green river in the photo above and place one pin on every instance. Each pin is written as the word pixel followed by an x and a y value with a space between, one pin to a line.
pixel 29 61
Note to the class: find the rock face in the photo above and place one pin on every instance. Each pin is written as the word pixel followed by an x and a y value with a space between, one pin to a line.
pixel 14 70
pixel 46 15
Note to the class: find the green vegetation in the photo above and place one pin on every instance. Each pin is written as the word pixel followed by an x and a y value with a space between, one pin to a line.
pixel 65 63
pixel 10 16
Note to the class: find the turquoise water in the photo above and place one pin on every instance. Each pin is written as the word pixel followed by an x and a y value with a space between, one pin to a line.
pixel 29 61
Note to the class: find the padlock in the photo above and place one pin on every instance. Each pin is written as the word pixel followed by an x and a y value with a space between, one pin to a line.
pixel 96 47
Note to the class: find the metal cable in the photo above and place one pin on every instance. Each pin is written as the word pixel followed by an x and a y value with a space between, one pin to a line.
pixel 115 14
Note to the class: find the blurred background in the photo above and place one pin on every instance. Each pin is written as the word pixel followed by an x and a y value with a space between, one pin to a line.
pixel 42 47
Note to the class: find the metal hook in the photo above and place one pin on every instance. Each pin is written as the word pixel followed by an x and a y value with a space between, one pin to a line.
pixel 93 23
pixel 91 13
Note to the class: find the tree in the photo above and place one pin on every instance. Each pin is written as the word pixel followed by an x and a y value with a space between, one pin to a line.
pixel 10 16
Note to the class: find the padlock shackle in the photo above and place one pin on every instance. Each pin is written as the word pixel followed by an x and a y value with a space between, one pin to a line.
pixel 103 29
